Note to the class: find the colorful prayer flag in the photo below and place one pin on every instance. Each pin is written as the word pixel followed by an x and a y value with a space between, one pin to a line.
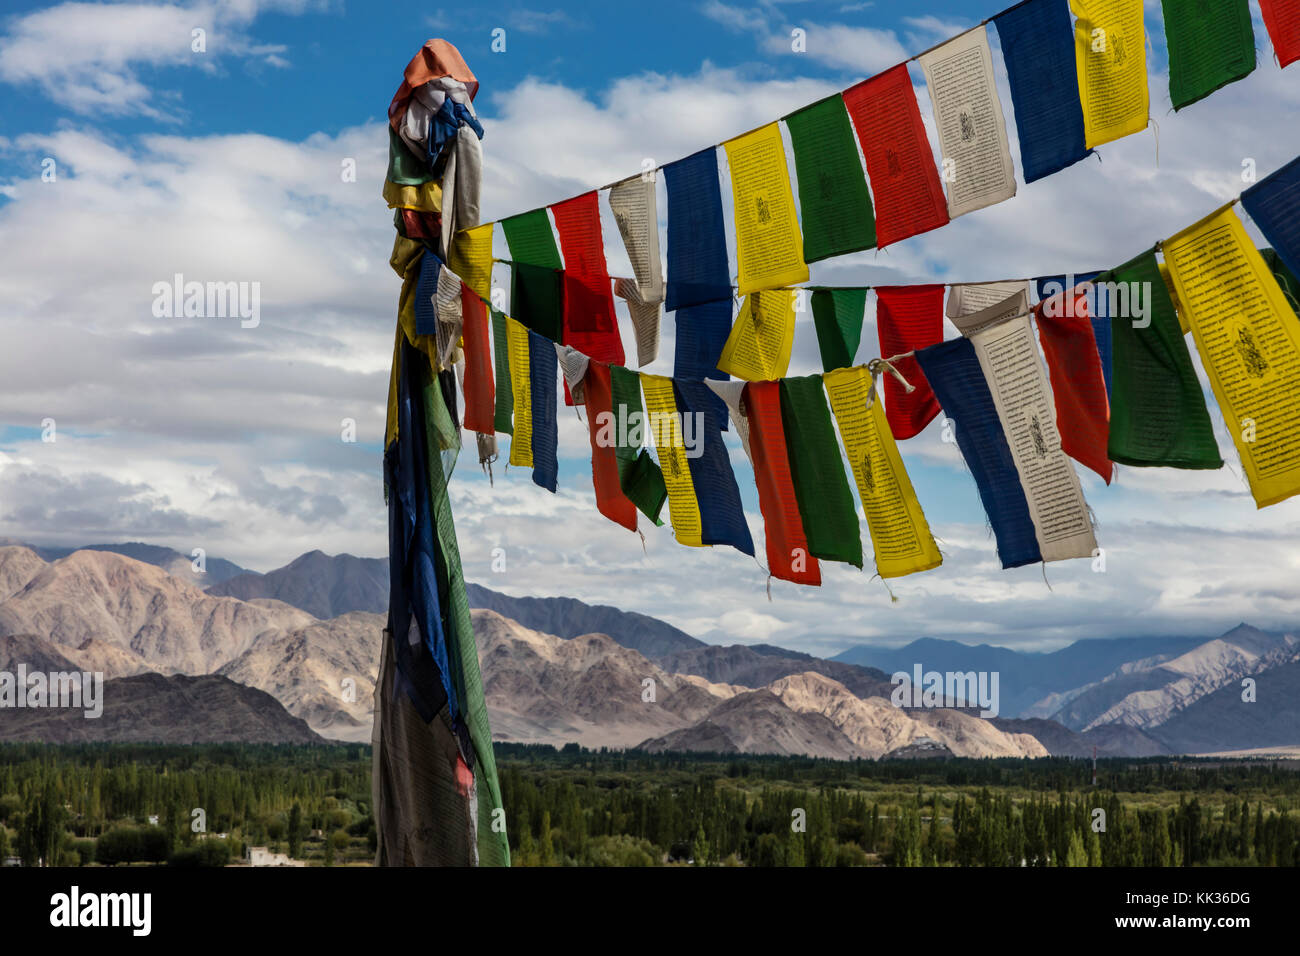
pixel 471 259
pixel 1274 204
pixel 697 245
pixel 758 348
pixel 908 317
pixel 1211 44
pixel 1078 386
pixel 837 316
pixel 1111 61
pixel 1282 18
pixel 769 248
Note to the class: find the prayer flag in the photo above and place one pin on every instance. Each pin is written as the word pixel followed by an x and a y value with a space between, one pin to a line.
pixel 834 204
pixel 758 348
pixel 908 317
pixel 697 245
pixel 1111 61
pixel 769 248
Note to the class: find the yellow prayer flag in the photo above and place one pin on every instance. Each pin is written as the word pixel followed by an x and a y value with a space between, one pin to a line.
pixel 758 348
pixel 769 246
pixel 683 506
pixel 521 443
pixel 900 535
pixel 1111 61
pixel 1249 343
pixel 426 198
pixel 471 259
pixel 1173 295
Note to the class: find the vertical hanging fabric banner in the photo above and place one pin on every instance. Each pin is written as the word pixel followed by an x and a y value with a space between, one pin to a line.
pixel 665 425
pixel 1111 60
pixel 1098 311
pixel 503 414
pixel 788 557
pixel 536 281
pixel 758 348
pixel 542 366
pixel 471 259
pixel 908 317
pixel 959 384
pixel 769 248
pixel 1249 342
pixel 1158 416
pixel 1282 18
pixel 645 319
pixel 1078 387
pixel 1274 204
pixel 722 516
pixel 530 239
pixel 830 521
pixel 697 243
pixel 480 399
pixel 900 535
pixel 521 444
pixel 1008 355
pixel 638 475
pixel 834 204
pixel 702 332
pixel 968 117
pixel 1038 49
pixel 588 297
pixel 904 181
pixel 1211 44
pixel 633 204
pixel 602 425
pixel 837 316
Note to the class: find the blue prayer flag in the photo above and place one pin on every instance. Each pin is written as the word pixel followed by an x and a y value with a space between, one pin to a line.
pixel 697 244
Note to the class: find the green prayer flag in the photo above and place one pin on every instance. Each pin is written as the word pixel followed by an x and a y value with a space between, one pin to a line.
pixel 503 414
pixel 536 279
pixel 835 206
pixel 837 315
pixel 640 478
pixel 1286 279
pixel 830 519
pixel 404 167
pixel 530 239
pixel 1211 44
pixel 1158 416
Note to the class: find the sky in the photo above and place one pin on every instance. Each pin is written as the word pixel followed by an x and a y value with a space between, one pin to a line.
pixel 224 164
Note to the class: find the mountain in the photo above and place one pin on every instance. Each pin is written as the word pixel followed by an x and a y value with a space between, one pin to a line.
pixel 760 665
pixel 151 708
pixel 171 561
pixel 18 565
pixel 567 618
pixel 1221 720
pixel 1113 740
pixel 321 584
pixel 138 608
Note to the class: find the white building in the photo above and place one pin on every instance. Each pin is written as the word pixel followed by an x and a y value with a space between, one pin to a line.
pixel 261 856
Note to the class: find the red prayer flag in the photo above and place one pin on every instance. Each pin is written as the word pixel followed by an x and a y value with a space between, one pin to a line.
pixel 788 557
pixel 904 181
pixel 480 391
pixel 908 317
pixel 611 501
pixel 1282 18
pixel 1078 384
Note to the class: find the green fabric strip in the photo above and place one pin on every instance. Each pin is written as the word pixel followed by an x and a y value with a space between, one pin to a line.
pixel 835 206
pixel 1286 279
pixel 837 314
pixel 530 239
pixel 638 475
pixel 404 167
pixel 1158 416
pixel 1211 44
pixel 830 519
pixel 503 414
pixel 537 299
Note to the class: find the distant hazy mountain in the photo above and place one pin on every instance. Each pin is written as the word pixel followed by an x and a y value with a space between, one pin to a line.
pixel 152 708
pixel 1060 741
pixel 321 584
pixel 173 562
pixel 1221 720
pixel 760 665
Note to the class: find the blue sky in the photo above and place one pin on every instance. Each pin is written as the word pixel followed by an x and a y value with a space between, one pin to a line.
pixel 226 165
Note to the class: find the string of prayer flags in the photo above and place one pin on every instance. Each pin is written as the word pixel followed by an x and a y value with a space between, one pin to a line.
pixel 1038 49
pixel 1004 345
pixel 1282 18
pixel 697 244
pixel 837 316
pixel 758 348
pixel 480 397
pixel 633 203
pixel 788 557
pixel 602 425
pixel 961 389
pixel 1249 342
pixel 1211 44
pixel 1158 416
pixel 503 414
pixel 638 475
pixel 471 259
pixel 908 318
pixel 1111 61
pixel 830 520
pixel 722 516
pixel 1078 386
pixel 702 332
pixel 968 117
pixel 536 280
pixel 769 248
pixel 1274 205
pixel 834 203
pixel 900 164
pixel 900 535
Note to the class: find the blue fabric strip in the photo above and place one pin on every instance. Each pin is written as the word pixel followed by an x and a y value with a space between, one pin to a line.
pixel 701 332
pixel 1038 47
pixel 953 371
pixel 543 367
pixel 722 516
pixel 1274 204
pixel 697 244
pixel 426 287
